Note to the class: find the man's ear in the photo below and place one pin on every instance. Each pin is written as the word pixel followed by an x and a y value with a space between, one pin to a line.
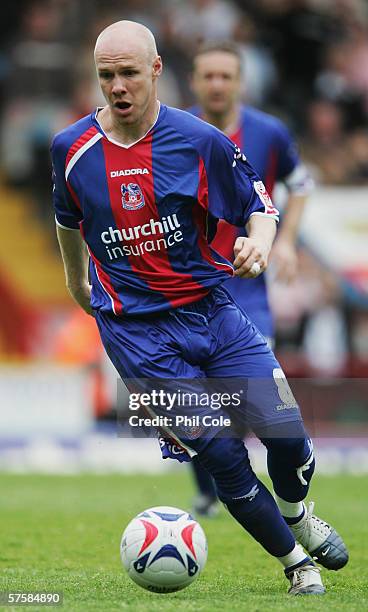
pixel 157 66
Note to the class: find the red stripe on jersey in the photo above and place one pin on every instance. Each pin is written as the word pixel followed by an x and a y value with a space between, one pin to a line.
pixel 74 195
pixel 137 194
pixel 225 238
pixel 82 140
pixel 226 233
pixel 85 137
pixel 200 214
pixel 271 171
pixel 237 137
pixel 105 280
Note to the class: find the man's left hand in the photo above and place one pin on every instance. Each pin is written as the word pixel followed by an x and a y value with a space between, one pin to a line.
pixel 284 259
pixel 249 251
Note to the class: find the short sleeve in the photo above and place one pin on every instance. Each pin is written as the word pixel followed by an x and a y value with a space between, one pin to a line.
pixel 235 190
pixel 67 214
pixel 288 157
pixel 291 169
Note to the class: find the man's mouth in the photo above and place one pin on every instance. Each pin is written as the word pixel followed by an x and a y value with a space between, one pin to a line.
pixel 122 105
pixel 217 98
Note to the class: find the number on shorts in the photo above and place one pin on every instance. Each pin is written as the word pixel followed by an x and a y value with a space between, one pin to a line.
pixel 285 393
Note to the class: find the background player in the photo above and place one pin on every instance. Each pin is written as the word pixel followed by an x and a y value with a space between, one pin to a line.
pixel 216 81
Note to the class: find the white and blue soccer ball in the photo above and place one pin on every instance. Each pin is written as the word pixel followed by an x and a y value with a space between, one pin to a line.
pixel 163 549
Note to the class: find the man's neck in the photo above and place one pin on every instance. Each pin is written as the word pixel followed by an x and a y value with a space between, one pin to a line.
pixel 226 122
pixel 125 133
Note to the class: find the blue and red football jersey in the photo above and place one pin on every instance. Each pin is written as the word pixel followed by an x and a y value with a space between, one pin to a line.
pixel 268 145
pixel 145 210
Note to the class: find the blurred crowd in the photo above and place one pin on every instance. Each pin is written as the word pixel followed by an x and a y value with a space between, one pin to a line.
pixel 305 61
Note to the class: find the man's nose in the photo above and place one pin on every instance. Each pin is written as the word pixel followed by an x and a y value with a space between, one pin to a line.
pixel 217 83
pixel 119 85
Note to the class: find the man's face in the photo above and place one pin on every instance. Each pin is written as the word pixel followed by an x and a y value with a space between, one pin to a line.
pixel 127 81
pixel 216 81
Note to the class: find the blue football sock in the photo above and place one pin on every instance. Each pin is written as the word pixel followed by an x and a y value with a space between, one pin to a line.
pixel 204 480
pixel 262 519
pixel 294 520
pixel 246 498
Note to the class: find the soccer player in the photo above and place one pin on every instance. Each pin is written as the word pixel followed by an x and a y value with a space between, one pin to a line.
pixel 138 184
pixel 216 82
pixel 267 143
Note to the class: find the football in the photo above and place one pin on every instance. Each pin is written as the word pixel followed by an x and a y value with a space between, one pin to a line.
pixel 163 549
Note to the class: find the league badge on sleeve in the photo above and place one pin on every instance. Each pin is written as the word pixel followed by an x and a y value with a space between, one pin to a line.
pixel 262 193
pixel 132 196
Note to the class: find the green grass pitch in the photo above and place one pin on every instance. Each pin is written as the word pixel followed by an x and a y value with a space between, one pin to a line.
pixel 63 533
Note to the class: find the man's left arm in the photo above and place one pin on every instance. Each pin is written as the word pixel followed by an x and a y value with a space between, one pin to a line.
pixel 284 254
pixel 237 195
pixel 296 178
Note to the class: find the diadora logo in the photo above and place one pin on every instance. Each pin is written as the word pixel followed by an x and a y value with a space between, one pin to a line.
pixel 132 196
pixel 129 172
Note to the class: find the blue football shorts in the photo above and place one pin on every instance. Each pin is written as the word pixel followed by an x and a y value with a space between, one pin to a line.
pixel 251 297
pixel 207 349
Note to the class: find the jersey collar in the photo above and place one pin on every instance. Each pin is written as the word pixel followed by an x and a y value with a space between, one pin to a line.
pixel 116 142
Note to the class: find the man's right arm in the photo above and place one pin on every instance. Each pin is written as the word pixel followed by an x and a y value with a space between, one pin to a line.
pixel 75 258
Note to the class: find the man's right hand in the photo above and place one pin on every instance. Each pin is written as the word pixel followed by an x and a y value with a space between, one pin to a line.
pixel 82 295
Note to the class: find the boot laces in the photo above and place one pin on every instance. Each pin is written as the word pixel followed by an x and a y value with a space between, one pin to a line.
pixel 298 577
pixel 313 523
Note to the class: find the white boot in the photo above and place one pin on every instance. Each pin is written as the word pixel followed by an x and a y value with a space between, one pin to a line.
pixel 322 542
pixel 305 580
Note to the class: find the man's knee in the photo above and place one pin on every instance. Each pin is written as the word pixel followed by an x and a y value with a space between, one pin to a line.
pixel 288 444
pixel 227 460
pixel 290 462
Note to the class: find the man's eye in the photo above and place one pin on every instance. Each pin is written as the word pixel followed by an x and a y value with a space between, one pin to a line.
pixel 105 75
